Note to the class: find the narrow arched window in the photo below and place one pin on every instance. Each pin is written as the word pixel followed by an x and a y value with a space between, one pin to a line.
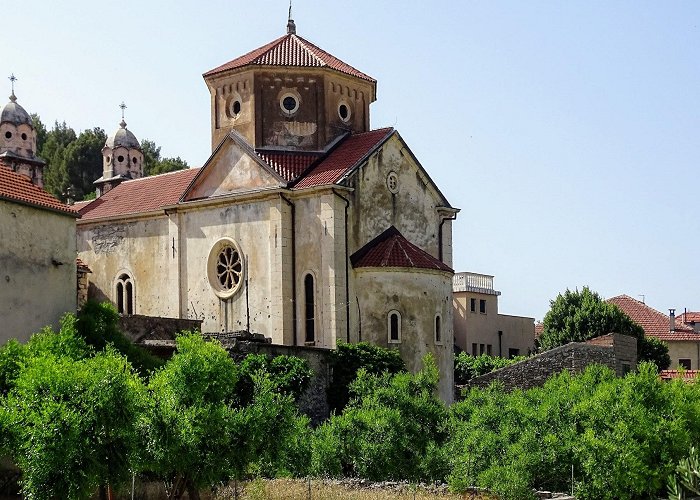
pixel 438 330
pixel 309 308
pixel 394 327
pixel 125 294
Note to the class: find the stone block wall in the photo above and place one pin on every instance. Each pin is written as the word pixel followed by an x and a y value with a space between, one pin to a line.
pixel 618 352
pixel 140 328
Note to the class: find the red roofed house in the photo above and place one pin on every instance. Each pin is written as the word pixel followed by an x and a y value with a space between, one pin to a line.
pixel 304 225
pixel 682 340
pixel 37 275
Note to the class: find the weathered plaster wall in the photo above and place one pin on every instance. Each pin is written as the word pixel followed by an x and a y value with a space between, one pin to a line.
pixel 684 350
pixel 418 295
pixel 412 210
pixel 37 269
pixel 256 228
pixel 141 248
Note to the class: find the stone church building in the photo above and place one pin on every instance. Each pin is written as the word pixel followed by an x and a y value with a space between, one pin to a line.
pixel 304 225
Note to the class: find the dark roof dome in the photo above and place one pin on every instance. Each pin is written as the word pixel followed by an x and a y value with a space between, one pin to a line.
pixel 14 113
pixel 123 137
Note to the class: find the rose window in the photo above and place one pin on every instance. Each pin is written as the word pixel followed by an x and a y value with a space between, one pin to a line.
pixel 229 268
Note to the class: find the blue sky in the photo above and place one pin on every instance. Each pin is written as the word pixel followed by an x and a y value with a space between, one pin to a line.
pixel 567 132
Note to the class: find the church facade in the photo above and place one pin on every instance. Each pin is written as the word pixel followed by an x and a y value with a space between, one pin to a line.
pixel 304 225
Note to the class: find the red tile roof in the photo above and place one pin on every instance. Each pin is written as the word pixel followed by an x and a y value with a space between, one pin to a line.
pixel 391 249
pixel 655 323
pixel 289 165
pixel 141 195
pixel 18 188
pixel 291 50
pixel 344 157
pixel 689 317
pixel 688 375
pixel 539 328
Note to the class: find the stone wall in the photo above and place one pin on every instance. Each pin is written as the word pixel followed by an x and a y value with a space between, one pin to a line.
pixel 138 328
pixel 618 352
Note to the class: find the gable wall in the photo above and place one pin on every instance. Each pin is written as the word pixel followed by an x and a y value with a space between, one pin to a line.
pixel 35 292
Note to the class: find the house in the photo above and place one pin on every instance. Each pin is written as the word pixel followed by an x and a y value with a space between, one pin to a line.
pixel 682 340
pixel 37 257
pixel 305 224
pixel 478 326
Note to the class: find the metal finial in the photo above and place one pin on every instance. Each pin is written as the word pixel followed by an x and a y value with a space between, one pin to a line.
pixel 13 79
pixel 123 107
pixel 291 27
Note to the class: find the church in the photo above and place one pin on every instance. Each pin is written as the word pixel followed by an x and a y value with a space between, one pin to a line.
pixel 304 225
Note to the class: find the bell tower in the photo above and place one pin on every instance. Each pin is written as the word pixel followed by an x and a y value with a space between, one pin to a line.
pixel 18 140
pixel 289 94
pixel 122 158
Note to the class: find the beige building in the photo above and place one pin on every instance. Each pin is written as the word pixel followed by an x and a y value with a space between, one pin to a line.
pixel 37 273
pixel 677 333
pixel 478 326
pixel 304 225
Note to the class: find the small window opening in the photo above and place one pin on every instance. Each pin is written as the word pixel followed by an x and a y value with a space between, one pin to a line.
pixel 685 363
pixel 125 295
pixel 438 332
pixel 473 305
pixel 24 136
pixel 488 349
pixel 309 308
pixel 474 350
pixel 134 160
pixel 394 327
pixel 8 135
pixel 236 107
pixel 513 353
pixel 289 103
pixel 482 306
pixel 120 158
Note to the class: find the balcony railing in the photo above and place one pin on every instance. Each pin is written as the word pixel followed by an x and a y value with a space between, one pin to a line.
pixel 473 282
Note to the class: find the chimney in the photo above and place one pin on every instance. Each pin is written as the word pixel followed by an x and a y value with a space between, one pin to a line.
pixel 672 320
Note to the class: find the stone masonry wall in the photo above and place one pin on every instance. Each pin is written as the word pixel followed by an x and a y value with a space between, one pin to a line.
pixel 138 328
pixel 534 371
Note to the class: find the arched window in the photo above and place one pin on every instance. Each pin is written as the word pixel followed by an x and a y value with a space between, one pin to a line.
pixel 438 329
pixel 309 308
pixel 394 327
pixel 125 294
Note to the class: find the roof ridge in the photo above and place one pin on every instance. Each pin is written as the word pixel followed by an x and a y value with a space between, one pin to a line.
pixel 304 44
pixel 145 177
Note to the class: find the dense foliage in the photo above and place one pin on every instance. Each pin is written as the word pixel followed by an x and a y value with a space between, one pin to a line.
pixel 391 429
pixel 582 315
pixel 74 161
pixel 348 359
pixel 623 436
pixel 467 367
pixel 75 415
pixel 98 325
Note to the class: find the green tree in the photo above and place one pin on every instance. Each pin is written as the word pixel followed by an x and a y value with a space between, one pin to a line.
pixel 40 132
pixel 53 152
pixel 69 418
pixel 468 367
pixel 582 315
pixel 82 162
pixel 153 164
pixel 348 359
pixel 391 429
pixel 196 434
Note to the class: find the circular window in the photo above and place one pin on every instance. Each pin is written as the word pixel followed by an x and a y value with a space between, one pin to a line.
pixel 24 136
pixel 392 182
pixel 8 135
pixel 289 103
pixel 236 107
pixel 344 112
pixel 225 268
pixel 120 158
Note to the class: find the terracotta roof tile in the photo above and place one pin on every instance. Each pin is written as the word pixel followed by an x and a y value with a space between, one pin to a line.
pixel 654 323
pixel 689 317
pixel 291 50
pixel 18 188
pixel 140 195
pixel 539 328
pixel 688 375
pixel 391 249
pixel 289 165
pixel 344 157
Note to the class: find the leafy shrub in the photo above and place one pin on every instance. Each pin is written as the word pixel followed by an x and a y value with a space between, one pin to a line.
pixel 653 350
pixel 686 481
pixel 72 423
pixel 623 436
pixel 348 359
pixel 391 429
pixel 289 375
pixel 98 325
pixel 467 367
